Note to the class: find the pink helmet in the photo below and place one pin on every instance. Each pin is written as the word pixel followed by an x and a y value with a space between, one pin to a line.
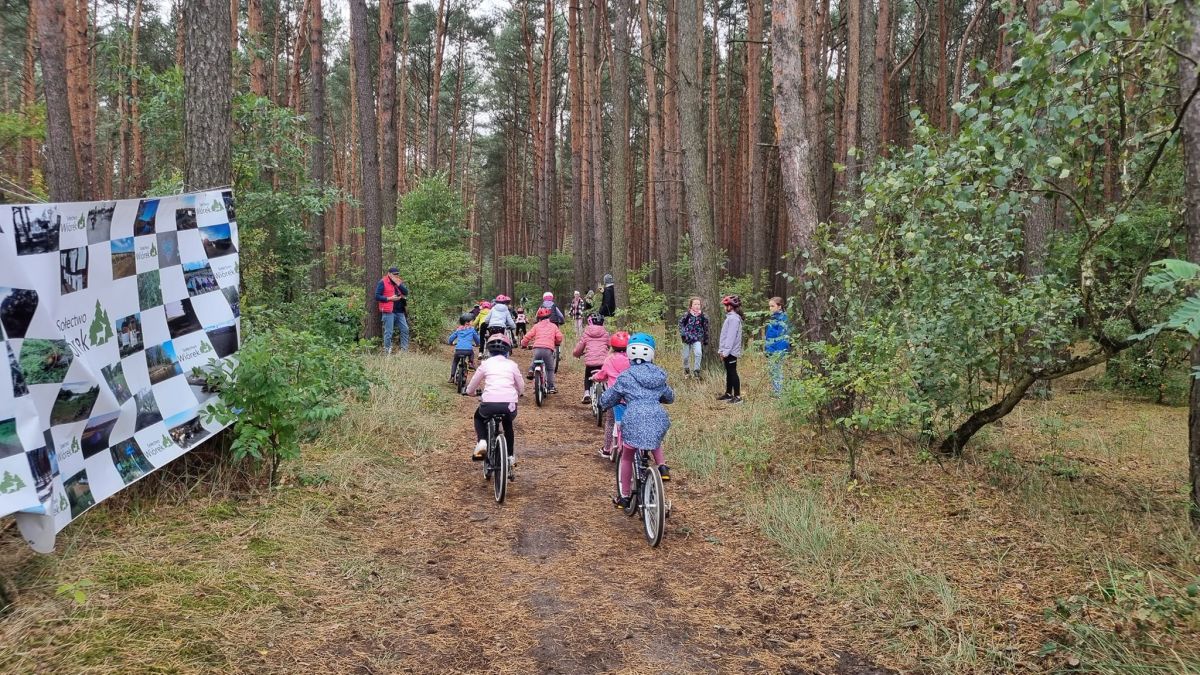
pixel 503 298
pixel 485 305
pixel 547 295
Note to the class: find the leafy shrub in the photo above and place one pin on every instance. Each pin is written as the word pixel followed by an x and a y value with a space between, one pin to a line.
pixel 284 385
pixel 337 314
pixel 647 307
pixel 428 244
pixel 1157 370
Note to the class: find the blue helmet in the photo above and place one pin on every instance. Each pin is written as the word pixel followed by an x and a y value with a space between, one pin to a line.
pixel 641 348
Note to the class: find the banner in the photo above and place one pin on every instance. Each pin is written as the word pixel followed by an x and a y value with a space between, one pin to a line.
pixel 105 309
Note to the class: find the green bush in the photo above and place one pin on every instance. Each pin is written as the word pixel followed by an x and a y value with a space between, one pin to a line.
pixel 284 385
pixel 1155 369
pixel 429 245
pixel 647 307
pixel 336 313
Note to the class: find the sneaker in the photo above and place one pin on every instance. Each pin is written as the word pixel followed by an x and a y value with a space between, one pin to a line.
pixel 696 374
pixel 480 450
pixel 587 399
pixel 551 390
pixel 621 503
pixel 606 453
pixel 724 397
pixel 512 466
pixel 736 399
pixel 665 472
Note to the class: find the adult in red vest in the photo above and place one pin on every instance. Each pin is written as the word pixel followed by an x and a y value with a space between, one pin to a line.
pixel 392 296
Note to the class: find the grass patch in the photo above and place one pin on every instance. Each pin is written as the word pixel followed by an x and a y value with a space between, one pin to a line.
pixel 203 577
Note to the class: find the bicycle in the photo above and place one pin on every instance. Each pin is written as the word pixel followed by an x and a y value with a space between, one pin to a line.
pixel 495 463
pixel 646 492
pixel 539 381
pixel 598 389
pixel 460 376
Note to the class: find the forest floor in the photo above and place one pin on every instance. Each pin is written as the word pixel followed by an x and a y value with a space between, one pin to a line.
pixel 383 551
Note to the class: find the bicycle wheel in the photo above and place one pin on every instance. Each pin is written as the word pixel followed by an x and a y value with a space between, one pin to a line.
pixel 654 507
pixel 635 484
pixel 557 358
pixel 500 475
pixel 597 412
pixel 487 458
pixel 539 389
pixel 460 377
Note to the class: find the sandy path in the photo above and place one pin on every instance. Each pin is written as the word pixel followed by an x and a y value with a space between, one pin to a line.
pixel 556 580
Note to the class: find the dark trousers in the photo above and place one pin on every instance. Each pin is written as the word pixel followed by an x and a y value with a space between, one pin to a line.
pixel 467 354
pixel 588 371
pixel 487 410
pixel 733 383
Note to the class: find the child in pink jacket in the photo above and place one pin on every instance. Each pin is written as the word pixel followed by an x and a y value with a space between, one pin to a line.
pixel 593 347
pixel 502 384
pixel 545 337
pixel 614 365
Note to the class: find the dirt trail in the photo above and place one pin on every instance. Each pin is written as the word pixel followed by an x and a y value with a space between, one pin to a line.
pixel 556 580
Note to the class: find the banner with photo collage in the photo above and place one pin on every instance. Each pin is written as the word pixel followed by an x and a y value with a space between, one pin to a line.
pixel 105 309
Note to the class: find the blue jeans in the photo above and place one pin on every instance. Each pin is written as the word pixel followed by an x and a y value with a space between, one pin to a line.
pixel 694 350
pixel 400 321
pixel 775 361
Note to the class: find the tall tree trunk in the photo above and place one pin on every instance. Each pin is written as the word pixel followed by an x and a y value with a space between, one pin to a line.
pixel 812 74
pixel 139 158
pixel 1191 151
pixel 180 31
pixel 435 85
pixel 369 164
pixel 792 126
pixel 578 243
pixel 316 129
pixel 387 114
pixel 254 43
pixel 704 250
pixel 31 162
pixel 673 157
pixel 63 175
pixel 79 93
pixel 546 119
pixel 876 100
pixel 849 131
pixel 620 151
pixel 402 116
pixel 208 95
pixel 458 87
pixel 655 170
pixel 756 225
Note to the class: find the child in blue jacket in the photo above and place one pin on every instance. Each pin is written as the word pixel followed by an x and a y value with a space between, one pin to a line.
pixel 643 388
pixel 465 340
pixel 776 343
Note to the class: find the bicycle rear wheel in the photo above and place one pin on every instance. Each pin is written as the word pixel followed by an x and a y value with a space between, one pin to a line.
pixel 654 507
pixel 597 411
pixel 500 474
pixel 635 484
pixel 539 389
pixel 460 377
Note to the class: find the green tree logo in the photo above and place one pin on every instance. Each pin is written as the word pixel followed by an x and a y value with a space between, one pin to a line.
pixel 10 483
pixel 205 347
pixel 166 441
pixel 153 249
pixel 62 504
pixel 74 445
pixel 100 331
pixel 217 205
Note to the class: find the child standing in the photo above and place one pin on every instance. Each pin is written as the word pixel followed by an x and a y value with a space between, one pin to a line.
pixel 500 379
pixel 616 363
pixel 776 343
pixel 693 330
pixel 643 388
pixel 465 340
pixel 730 347
pixel 545 338
pixel 593 347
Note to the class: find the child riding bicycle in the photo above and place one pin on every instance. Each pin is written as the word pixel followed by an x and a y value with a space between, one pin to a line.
pixel 593 348
pixel 643 388
pixel 545 337
pixel 500 318
pixel 465 340
pixel 500 378
pixel 614 365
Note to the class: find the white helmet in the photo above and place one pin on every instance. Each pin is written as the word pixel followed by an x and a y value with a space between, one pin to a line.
pixel 641 348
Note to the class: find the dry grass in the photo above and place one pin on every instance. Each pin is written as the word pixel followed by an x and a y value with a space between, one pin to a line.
pixel 302 578
pixel 951 567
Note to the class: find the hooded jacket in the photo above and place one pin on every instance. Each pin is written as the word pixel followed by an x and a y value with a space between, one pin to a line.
pixel 777 334
pixel 464 339
pixel 614 365
pixel 501 316
pixel 592 346
pixel 693 328
pixel 501 380
pixel 643 388
pixel 543 335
